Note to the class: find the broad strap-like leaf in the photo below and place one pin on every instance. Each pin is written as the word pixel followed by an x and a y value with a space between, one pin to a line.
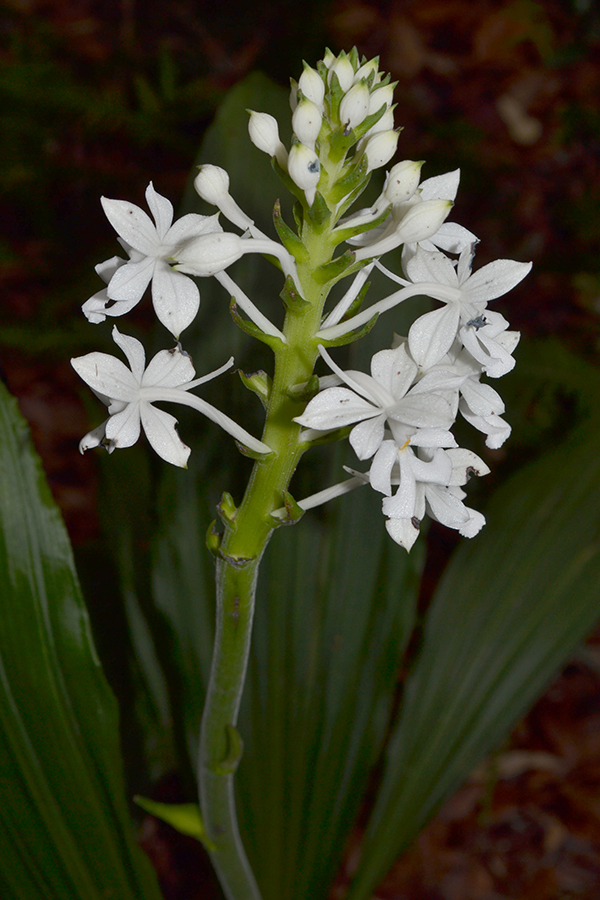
pixel 65 829
pixel 511 608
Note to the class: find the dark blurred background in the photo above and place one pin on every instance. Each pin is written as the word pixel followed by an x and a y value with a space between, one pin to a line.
pixel 101 97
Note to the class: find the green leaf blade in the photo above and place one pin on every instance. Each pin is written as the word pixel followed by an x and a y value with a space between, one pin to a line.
pixel 63 806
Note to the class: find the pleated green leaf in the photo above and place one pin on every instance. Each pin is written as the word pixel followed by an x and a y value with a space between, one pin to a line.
pixel 335 608
pixel 511 608
pixel 65 829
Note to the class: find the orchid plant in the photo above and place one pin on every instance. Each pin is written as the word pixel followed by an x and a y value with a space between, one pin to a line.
pixel 398 419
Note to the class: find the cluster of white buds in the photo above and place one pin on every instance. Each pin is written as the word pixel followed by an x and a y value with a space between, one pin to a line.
pixel 400 416
pixel 337 105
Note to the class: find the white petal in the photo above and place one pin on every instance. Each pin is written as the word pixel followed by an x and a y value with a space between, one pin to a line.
pixel 130 281
pixel 403 531
pixel 428 266
pixel 336 408
pixel 161 209
pixel 123 429
pixel 495 427
pixel 474 525
pixel 93 438
pixel 433 437
pixel 191 226
pixel 492 356
pixel 434 471
pixel 169 368
pixel 402 504
pixel 441 187
pixel 444 507
pixel 107 375
pixel 133 350
pixel 380 473
pixel 465 464
pixel 132 224
pixel 482 399
pixel 107 269
pixel 394 370
pixel 366 437
pixel 453 238
pixel 422 411
pixel 160 429
pixel 432 335
pixel 175 297
pixel 495 279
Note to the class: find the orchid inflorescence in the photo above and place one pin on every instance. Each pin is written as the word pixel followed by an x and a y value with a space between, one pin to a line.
pixel 401 414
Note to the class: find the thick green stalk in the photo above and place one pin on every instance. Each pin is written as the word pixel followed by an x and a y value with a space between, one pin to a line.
pixel 241 549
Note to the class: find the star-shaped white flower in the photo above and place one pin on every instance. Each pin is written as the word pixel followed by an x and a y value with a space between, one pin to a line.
pixel 155 244
pixel 386 397
pixel 466 296
pixel 131 392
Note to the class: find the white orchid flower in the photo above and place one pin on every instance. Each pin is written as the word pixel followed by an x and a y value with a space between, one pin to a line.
pixel 131 392
pixel 175 296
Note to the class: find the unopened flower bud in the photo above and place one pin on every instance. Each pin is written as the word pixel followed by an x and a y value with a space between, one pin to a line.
pixel 355 105
pixel 212 184
pixel 385 123
pixel 365 71
pixel 344 70
pixel 423 219
pixel 381 95
pixel 306 122
pixel 312 86
pixel 328 58
pixel 380 148
pixel 293 94
pixel 209 253
pixel 264 134
pixel 305 170
pixel 402 181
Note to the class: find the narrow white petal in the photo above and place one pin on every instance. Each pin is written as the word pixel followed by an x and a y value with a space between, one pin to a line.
pixel 175 297
pixel 132 224
pixel 161 209
pixel 133 350
pixel 160 429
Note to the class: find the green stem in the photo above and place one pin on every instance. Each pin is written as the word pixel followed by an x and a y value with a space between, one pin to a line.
pixel 243 544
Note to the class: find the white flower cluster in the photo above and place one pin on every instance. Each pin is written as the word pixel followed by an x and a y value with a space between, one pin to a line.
pixel 401 414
